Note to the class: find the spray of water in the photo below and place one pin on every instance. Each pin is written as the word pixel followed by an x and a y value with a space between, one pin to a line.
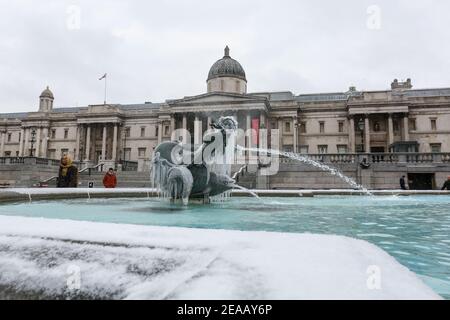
pixel 304 159
pixel 246 190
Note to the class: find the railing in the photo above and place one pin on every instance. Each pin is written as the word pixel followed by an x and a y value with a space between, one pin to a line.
pixel 383 158
pixel 29 161
pixel 88 169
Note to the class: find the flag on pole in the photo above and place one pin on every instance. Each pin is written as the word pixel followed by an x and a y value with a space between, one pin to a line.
pixel 102 77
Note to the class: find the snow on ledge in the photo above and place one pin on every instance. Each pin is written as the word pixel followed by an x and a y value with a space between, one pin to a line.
pixel 142 262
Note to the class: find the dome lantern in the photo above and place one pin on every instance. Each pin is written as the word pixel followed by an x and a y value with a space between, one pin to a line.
pixel 46 100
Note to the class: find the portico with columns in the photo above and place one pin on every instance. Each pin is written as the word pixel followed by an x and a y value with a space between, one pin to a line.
pixel 375 129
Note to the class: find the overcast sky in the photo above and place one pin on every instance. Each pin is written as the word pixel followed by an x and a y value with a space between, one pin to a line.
pixel 158 50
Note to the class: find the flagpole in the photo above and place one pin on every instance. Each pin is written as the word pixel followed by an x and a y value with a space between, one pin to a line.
pixel 106 76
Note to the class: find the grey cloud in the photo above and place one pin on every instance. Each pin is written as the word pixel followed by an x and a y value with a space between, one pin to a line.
pixel 155 50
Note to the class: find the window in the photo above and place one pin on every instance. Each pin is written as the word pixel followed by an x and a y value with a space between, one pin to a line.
pixel 433 124
pixel 52 153
pixel 127 132
pixel 321 126
pixel 64 151
pixel 342 148
pixel 156 131
pixel 66 133
pixel 396 126
pixel 20 136
pixel 376 126
pixel 435 147
pixel 222 84
pixel 7 153
pixel 323 148
pixel 412 124
pixel 273 125
pixel 9 137
pixel 17 153
pixel 141 152
pixel 142 132
pixel 303 127
pixel 341 126
pixel 287 127
pixel 237 86
pixel 166 130
pixel 53 134
pixel 287 148
pixel 127 153
pixel 209 86
pixel 303 149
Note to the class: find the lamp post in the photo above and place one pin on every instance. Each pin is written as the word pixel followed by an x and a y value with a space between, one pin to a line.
pixel 33 140
pixel 361 129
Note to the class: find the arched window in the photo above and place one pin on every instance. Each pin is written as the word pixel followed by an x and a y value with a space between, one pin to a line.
pixel 222 84
pixel 237 86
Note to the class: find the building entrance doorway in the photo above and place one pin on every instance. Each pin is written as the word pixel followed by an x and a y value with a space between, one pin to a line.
pixel 377 150
pixel 421 181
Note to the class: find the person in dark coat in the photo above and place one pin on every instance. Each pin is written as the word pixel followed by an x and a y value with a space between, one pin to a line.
pixel 403 183
pixel 68 174
pixel 446 185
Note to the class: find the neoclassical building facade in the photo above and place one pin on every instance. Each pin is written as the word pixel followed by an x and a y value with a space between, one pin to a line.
pixel 399 119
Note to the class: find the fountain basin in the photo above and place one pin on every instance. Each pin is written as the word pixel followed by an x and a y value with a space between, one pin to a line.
pixel 415 230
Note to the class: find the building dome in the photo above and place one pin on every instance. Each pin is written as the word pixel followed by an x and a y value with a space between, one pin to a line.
pixel 47 94
pixel 226 67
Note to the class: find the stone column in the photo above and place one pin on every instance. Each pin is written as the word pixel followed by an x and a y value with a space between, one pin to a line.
pixel 366 134
pixel 197 130
pixel 38 143
pixel 351 135
pixel 294 123
pixel 2 144
pixel 390 130
pixel 160 133
pixel 26 152
pixel 262 119
pixel 280 134
pixel 114 146
pixel 22 133
pixel 44 143
pixel 248 127
pixel 104 143
pixel 185 129
pixel 88 142
pixel 76 155
pixel 405 128
pixel 172 123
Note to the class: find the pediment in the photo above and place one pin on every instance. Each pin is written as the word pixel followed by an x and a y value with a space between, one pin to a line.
pixel 216 98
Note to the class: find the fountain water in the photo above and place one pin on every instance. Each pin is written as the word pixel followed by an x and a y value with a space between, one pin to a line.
pixel 304 159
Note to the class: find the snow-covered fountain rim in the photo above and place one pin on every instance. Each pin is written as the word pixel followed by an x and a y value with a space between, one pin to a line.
pixel 27 194
pixel 225 254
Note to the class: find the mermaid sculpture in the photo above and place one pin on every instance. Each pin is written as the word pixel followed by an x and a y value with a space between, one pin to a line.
pixel 179 171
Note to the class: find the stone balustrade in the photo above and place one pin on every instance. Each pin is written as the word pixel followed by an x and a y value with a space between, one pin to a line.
pixel 389 158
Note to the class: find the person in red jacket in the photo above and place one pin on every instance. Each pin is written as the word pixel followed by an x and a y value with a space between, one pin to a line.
pixel 110 180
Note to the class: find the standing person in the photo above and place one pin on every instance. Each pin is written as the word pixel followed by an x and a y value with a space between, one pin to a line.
pixel 446 184
pixel 110 179
pixel 403 183
pixel 68 173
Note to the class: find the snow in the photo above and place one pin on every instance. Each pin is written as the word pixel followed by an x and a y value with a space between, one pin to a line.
pixel 145 262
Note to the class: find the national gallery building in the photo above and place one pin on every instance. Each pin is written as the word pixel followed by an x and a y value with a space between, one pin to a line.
pixel 399 119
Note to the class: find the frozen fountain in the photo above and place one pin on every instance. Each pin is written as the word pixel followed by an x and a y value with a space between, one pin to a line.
pixel 187 172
